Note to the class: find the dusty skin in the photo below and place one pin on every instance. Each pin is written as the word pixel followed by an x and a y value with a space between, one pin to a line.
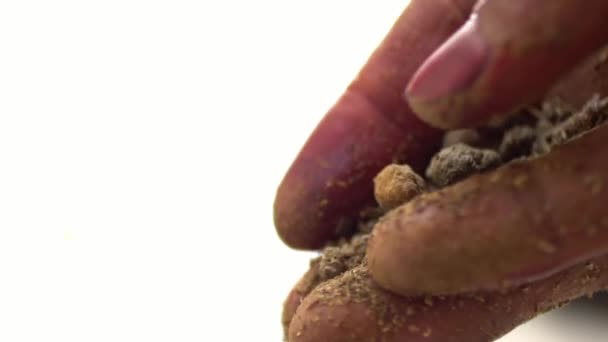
pixel 516 235
pixel 353 307
pixel 341 258
pixel 331 181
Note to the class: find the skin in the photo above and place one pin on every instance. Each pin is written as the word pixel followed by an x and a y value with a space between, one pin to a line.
pixel 505 56
pixel 331 177
pixel 502 65
pixel 522 222
pixel 330 314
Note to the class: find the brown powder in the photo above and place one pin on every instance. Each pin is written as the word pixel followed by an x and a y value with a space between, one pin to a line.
pixel 357 286
pixel 335 260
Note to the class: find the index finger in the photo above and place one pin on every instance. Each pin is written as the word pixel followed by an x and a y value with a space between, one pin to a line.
pixel 369 126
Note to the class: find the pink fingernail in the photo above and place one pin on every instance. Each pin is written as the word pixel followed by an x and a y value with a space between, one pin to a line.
pixel 453 67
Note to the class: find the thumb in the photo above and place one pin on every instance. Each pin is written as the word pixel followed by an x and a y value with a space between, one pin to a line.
pixel 509 53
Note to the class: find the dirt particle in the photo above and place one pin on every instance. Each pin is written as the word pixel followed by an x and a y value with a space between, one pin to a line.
pixel 595 183
pixel 479 298
pixel 495 178
pixel 592 230
pixel 412 328
pixel 335 260
pixel 517 142
pixel 428 301
pixel 456 162
pixel 427 332
pixel 397 321
pixel 553 111
pixel 591 115
pixel 396 185
pixel 546 246
pixel 520 180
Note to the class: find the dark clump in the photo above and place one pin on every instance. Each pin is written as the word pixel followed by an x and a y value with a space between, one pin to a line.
pixel 396 185
pixel 458 161
pixel 552 111
pixel 516 142
pixel 368 218
pixel 591 115
pixel 343 254
pixel 335 260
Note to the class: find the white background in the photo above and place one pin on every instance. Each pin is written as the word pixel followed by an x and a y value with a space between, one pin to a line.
pixel 140 146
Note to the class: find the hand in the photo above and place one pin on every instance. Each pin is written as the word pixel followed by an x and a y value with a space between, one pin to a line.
pixel 518 51
pixel 510 54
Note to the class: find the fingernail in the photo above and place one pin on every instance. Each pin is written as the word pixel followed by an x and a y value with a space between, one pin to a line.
pixel 453 67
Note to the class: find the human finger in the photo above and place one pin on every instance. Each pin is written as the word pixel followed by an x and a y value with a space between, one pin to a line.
pixel 354 308
pixel 369 126
pixel 508 54
pixel 521 222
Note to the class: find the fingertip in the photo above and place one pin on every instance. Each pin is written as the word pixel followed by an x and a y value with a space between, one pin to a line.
pixel 505 57
pixel 342 309
pixel 296 219
pixel 298 293
pixel 450 70
pixel 399 261
pixel 316 321
pixel 290 305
